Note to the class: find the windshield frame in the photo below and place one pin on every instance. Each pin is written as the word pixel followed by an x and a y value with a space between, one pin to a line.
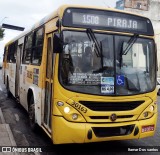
pixel 114 63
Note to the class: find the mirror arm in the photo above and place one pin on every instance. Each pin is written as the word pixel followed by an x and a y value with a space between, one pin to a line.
pixel 58 24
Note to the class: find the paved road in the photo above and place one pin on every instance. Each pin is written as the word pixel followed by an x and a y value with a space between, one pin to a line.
pixel 17 118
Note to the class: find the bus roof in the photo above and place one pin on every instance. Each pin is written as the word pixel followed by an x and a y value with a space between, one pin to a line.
pixel 59 13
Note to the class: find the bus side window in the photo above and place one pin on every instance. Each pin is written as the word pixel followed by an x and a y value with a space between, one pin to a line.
pixel 12 53
pixel 38 46
pixel 4 55
pixel 27 49
pixel 8 54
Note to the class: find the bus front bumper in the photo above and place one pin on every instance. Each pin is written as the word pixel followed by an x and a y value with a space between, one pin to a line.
pixel 71 132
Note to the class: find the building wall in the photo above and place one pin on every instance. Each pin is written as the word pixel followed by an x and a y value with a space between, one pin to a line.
pixel 120 4
pixel 150 9
pixel 136 4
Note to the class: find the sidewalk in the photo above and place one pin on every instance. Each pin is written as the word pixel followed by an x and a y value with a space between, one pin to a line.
pixel 6 136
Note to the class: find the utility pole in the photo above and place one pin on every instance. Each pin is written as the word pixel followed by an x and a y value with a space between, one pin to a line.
pixel 4 26
pixel 1 33
pixel 2 30
pixel 3 20
pixel 13 27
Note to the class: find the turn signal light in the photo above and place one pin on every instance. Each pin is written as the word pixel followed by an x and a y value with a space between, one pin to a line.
pixel 74 116
pixel 59 103
pixel 145 114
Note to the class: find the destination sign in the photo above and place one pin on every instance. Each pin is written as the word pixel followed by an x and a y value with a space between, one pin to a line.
pixel 107 20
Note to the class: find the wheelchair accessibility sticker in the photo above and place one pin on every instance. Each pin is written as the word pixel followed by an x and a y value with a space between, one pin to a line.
pixel 120 80
pixel 107 85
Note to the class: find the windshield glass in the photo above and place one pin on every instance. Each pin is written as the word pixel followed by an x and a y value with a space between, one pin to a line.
pixel 112 71
pixel 158 81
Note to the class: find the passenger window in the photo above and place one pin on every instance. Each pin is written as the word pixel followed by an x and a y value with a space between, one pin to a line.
pixel 12 53
pixel 28 48
pixel 38 46
pixel 33 47
pixel 4 55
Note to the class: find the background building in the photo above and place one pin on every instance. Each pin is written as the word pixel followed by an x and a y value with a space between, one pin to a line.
pixel 120 4
pixel 148 8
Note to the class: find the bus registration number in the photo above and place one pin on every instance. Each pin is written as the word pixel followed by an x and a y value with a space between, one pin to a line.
pixel 79 107
pixel 107 89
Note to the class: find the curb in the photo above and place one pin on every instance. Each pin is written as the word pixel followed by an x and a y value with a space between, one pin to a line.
pixel 2 117
pixel 10 135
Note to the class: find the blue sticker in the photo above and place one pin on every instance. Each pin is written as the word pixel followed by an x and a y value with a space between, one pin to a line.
pixel 120 80
pixel 107 80
pixel 107 85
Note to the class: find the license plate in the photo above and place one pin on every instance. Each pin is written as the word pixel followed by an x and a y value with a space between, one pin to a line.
pixel 147 128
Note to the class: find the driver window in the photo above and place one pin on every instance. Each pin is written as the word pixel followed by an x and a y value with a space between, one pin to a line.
pixel 107 51
pixel 139 59
pixel 135 57
pixel 80 55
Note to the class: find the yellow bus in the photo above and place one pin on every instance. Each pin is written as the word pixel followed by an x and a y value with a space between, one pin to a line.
pixel 86 74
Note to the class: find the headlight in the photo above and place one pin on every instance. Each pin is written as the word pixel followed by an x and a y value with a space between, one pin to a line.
pixel 69 112
pixel 152 108
pixel 66 110
pixel 74 116
pixel 145 114
pixel 59 103
pixel 148 112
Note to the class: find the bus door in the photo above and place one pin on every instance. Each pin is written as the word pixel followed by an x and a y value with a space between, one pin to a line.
pixel 49 83
pixel 4 64
pixel 17 79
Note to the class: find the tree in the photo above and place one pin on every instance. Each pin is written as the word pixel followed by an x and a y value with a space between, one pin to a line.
pixel 1 33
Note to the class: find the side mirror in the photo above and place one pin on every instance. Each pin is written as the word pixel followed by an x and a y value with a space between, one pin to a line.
pixel 57 43
pixel 58 23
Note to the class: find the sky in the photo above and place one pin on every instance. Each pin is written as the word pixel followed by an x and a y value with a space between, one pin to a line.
pixel 27 13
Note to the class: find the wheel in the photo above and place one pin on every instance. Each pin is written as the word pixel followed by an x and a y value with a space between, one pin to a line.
pixel 9 94
pixel 31 112
pixel 158 93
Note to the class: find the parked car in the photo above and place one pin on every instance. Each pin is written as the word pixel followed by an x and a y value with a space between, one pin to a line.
pixel 158 86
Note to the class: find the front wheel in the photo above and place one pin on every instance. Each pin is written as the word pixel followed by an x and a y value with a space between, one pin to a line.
pixel 31 112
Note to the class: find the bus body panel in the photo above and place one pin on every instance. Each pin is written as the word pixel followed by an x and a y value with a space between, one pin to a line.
pixel 37 93
pixel 26 84
pixel 78 132
pixel 32 80
pixel 23 87
pixel 18 66
pixel 12 73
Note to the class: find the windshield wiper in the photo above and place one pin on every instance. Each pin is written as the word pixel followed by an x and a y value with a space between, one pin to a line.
pixel 130 43
pixel 93 38
pixel 98 46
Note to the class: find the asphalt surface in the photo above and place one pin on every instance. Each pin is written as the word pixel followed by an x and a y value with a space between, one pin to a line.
pixel 17 118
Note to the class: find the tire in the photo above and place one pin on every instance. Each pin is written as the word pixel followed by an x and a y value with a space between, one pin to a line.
pixel 31 112
pixel 9 94
pixel 158 93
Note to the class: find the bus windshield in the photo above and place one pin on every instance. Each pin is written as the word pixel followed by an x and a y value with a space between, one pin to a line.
pixel 112 71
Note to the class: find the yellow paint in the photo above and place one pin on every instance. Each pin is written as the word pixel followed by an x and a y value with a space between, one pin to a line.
pixel 29 77
pixel 64 129
pixel 69 132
